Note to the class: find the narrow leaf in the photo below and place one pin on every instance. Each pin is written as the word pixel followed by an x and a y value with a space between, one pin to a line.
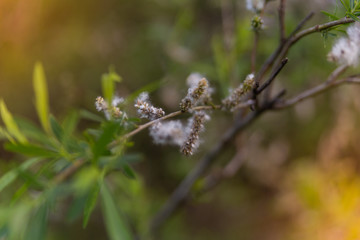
pixel 115 224
pixel 56 129
pixel 91 116
pixel 10 176
pixel 11 125
pixel 354 17
pixel 38 224
pixel 70 122
pixel 344 5
pixel 108 84
pixel 129 172
pixel 332 16
pixel 30 150
pixel 41 95
pixel 90 204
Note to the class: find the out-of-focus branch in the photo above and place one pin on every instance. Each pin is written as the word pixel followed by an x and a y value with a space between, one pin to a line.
pixel 228 23
pixel 315 91
pixel 68 172
pixel 282 20
pixel 230 169
pixel 272 58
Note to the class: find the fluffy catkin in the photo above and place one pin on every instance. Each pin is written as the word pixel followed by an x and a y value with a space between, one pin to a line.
pixel 196 125
pixel 145 109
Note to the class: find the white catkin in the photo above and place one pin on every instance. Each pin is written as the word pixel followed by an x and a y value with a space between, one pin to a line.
pixel 346 50
pixel 145 109
pixel 168 132
pixel 194 127
pixel 193 79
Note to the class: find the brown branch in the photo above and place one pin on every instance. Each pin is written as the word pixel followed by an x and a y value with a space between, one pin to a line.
pixel 64 175
pixel 273 76
pixel 272 58
pixel 314 91
pixel 317 28
pixel 230 169
pixel 170 115
pixel 282 20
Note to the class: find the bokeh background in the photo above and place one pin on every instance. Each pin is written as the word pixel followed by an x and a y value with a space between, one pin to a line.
pixel 300 178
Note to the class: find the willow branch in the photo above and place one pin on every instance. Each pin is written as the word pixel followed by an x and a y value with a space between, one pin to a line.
pixel 272 58
pixel 273 76
pixel 182 191
pixel 317 28
pixel 315 91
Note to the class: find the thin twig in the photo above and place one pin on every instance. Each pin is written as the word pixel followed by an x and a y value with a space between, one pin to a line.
pixel 272 58
pixel 317 28
pixel 62 176
pixel 273 76
pixel 314 91
pixel 148 124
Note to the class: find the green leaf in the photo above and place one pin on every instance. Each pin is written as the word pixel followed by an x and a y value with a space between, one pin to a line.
pixel 91 116
pixel 11 125
pixel 56 129
pixel 41 95
pixel 147 88
pixel 108 84
pixel 32 180
pixel 352 5
pixel 129 172
pixel 109 131
pixel 10 176
pixel 344 5
pixel 354 17
pixel 6 135
pixel 31 131
pixel 70 122
pixel 90 203
pixel 331 16
pixel 36 228
pixel 115 224
pixel 76 208
pixel 30 150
